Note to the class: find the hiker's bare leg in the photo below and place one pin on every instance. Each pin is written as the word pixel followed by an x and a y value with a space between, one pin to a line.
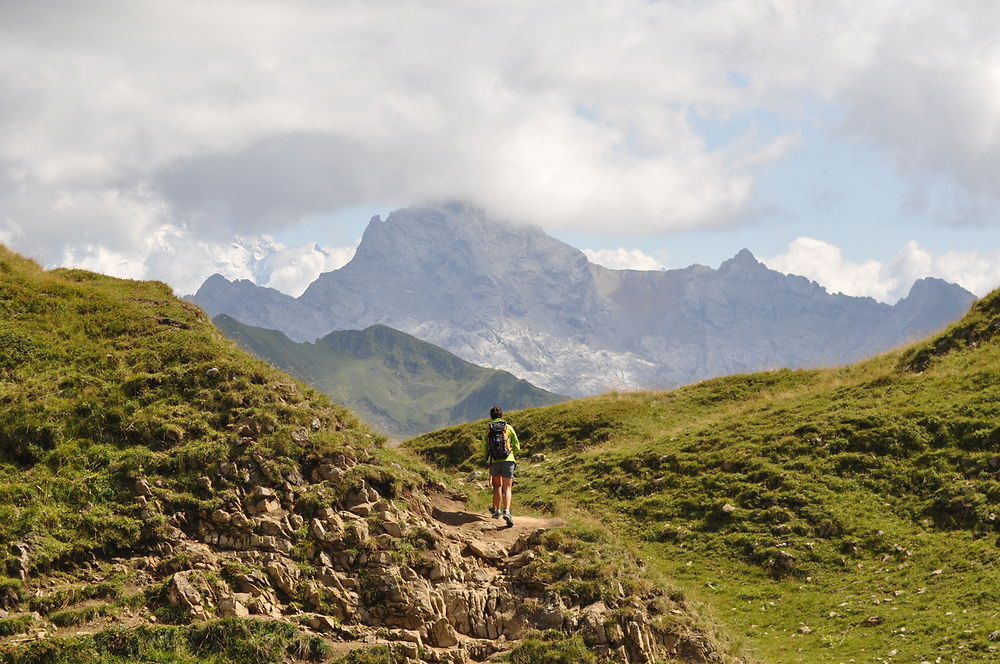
pixel 497 492
pixel 507 489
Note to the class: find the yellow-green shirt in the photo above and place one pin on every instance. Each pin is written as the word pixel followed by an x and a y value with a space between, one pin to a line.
pixel 515 444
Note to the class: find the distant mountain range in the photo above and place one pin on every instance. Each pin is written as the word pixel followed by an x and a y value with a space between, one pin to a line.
pixel 394 381
pixel 511 297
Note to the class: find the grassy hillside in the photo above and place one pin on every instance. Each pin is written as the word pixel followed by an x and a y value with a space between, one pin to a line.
pixel 106 382
pixel 107 385
pixel 398 383
pixel 165 497
pixel 826 516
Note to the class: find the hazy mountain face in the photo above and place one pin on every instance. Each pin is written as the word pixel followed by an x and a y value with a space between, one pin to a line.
pixel 513 298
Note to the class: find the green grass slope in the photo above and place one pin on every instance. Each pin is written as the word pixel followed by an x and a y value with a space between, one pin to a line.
pixel 128 423
pixel 105 383
pixel 398 383
pixel 826 516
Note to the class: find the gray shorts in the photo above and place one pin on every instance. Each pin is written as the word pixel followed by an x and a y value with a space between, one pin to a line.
pixel 502 469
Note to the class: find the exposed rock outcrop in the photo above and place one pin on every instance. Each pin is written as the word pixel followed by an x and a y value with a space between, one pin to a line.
pixel 437 584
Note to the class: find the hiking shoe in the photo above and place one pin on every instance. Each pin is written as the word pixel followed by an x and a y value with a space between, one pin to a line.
pixel 508 518
pixel 495 512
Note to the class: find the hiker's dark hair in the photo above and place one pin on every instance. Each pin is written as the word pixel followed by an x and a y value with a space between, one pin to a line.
pixel 496 412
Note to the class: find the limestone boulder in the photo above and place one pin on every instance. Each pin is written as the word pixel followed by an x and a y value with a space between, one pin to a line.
pixel 232 607
pixel 284 575
pixel 440 633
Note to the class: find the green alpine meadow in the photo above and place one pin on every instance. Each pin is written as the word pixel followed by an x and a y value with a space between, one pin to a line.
pixel 839 515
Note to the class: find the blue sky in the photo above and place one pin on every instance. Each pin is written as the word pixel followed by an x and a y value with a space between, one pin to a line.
pixel 855 143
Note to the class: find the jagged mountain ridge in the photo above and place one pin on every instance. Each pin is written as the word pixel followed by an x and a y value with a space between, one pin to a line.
pixel 511 297
pixel 394 381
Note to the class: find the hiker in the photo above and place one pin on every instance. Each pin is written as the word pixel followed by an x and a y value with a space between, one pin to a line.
pixel 499 445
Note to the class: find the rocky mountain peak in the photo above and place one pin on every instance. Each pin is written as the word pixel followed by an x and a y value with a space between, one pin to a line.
pixel 452 236
pixel 930 301
pixel 932 287
pixel 743 262
pixel 451 262
pixel 215 281
pixel 508 296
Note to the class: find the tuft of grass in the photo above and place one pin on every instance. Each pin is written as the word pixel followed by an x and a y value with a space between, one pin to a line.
pixel 226 641
pixel 558 650
pixel 374 655
pixel 16 624
pixel 12 592
pixel 82 615
pixel 583 565
pixel 60 598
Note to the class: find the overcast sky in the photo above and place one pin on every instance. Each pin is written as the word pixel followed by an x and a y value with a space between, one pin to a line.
pixel 855 142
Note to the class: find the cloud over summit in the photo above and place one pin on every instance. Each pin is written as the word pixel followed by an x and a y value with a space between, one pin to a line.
pixel 976 271
pixel 122 120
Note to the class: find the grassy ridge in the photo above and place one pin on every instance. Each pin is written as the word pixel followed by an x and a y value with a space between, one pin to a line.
pixel 402 385
pixel 826 515
pixel 104 382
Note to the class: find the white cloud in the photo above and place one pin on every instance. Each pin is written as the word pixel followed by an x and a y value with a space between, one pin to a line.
pixel 623 259
pixel 930 95
pixel 824 263
pixel 118 119
pixel 292 270
pixel 246 117
pixel 103 260
pixel 175 256
pixel 976 271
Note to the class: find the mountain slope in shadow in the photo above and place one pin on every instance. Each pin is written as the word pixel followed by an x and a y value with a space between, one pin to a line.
pixel 394 381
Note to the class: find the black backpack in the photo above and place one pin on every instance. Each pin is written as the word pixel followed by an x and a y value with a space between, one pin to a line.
pixel 499 441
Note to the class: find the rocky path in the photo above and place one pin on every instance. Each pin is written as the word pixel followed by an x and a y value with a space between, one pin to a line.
pixel 487 539
pixel 473 526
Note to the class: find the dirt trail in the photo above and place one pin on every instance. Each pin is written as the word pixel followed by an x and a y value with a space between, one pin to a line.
pixel 492 538
pixel 472 526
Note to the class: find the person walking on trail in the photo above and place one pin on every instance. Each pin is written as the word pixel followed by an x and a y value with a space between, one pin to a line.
pixel 499 445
